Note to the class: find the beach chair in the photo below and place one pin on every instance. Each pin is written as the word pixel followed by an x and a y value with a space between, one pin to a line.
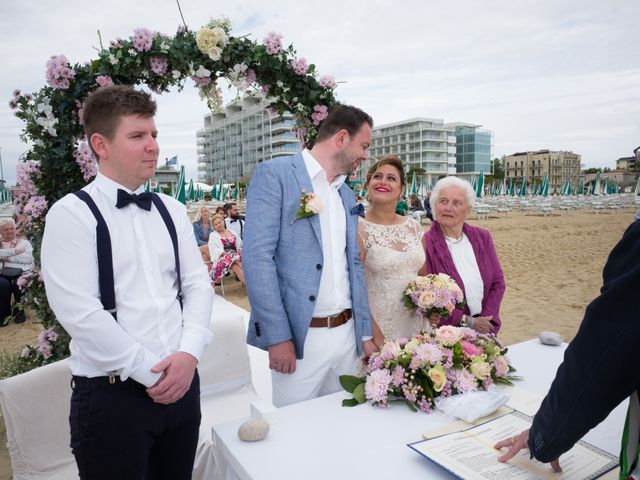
pixel 35 407
pixel 226 388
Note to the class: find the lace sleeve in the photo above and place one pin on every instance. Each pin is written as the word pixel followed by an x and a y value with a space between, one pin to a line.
pixel 363 234
pixel 416 228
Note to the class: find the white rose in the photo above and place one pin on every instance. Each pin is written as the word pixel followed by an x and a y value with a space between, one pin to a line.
pixel 480 369
pixel 426 299
pixel 314 204
pixel 214 53
pixel 422 282
pixel 206 39
pixel 221 36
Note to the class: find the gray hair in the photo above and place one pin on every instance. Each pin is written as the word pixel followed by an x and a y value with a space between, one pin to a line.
pixel 6 221
pixel 447 182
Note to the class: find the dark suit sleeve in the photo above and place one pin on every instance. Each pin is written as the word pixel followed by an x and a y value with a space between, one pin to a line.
pixel 600 365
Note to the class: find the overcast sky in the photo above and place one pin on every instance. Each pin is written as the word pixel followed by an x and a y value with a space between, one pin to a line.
pixel 557 74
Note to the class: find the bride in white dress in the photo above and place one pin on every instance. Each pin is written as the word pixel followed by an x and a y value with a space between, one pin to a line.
pixel 392 253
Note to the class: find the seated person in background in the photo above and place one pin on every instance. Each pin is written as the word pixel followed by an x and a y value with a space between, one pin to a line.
pixel 427 206
pixel 234 221
pixel 220 211
pixel 16 257
pixel 225 248
pixel 402 207
pixel 201 229
pixel 466 254
pixel 416 208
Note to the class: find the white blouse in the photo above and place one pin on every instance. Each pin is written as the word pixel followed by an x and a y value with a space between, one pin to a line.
pixel 465 261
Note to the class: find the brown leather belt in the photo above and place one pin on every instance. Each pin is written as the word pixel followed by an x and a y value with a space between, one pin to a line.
pixel 332 321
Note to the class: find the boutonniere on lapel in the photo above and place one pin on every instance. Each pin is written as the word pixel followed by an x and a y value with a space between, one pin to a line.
pixel 310 205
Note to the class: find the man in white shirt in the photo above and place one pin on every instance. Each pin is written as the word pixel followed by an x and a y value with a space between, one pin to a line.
pixel 305 281
pixel 135 406
pixel 234 221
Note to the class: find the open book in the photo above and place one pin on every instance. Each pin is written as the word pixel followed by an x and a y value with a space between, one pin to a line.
pixel 469 454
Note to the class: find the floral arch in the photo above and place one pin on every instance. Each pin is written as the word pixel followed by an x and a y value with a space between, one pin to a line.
pixel 59 160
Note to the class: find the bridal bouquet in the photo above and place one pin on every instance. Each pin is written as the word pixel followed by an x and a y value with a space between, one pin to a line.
pixel 444 362
pixel 433 293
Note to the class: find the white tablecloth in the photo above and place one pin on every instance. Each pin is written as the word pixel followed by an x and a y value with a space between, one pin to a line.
pixel 319 439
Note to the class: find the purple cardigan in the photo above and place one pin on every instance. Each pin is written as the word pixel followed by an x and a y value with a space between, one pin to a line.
pixel 439 261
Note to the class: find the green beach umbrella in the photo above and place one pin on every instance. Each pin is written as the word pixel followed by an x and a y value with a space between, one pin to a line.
pixel 480 186
pixel 523 187
pixel 181 194
pixel 147 186
pixel 191 192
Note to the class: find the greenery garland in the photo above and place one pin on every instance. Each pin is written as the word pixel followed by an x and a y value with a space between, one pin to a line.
pixel 59 160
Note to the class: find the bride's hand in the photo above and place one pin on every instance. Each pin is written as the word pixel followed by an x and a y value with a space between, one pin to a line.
pixel 434 320
pixel 369 347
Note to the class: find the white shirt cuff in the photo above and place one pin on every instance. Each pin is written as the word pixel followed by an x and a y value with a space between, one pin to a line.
pixel 143 373
pixel 366 339
pixel 194 343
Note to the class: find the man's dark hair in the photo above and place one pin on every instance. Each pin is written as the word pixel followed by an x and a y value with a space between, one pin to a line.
pixel 103 109
pixel 342 117
pixel 227 206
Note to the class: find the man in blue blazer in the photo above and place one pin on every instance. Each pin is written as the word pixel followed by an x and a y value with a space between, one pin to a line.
pixel 305 280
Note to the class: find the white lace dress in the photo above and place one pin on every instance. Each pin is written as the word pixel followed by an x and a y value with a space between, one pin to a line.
pixel 394 254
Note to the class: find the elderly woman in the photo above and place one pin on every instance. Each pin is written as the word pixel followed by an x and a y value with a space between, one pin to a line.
pixel 202 228
pixel 466 254
pixel 16 257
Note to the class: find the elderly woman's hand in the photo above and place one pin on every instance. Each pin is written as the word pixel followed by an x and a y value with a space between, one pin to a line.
pixel 482 324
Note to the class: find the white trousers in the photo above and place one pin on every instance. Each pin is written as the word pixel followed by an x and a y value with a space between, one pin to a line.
pixel 328 353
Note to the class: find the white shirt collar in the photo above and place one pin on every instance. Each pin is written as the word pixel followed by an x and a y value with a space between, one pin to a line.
pixel 110 187
pixel 314 169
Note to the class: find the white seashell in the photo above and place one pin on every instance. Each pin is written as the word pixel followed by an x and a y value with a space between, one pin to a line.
pixel 253 430
pixel 550 338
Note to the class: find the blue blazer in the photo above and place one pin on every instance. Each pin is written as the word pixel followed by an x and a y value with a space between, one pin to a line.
pixel 283 261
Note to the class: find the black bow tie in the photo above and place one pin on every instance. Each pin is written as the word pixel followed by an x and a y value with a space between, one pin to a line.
pixel 143 200
pixel 233 220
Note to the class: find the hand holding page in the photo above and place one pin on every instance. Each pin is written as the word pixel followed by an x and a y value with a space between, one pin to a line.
pixel 470 454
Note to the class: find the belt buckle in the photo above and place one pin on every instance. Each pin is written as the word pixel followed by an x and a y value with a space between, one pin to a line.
pixel 330 317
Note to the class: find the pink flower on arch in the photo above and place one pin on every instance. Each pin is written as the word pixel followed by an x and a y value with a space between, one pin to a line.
pixel 142 39
pixel 59 72
pixel 328 81
pixel 158 65
pixel 104 81
pixel 273 42
pixel 320 112
pixel 300 66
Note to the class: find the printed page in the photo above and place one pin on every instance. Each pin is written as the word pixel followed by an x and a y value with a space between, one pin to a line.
pixel 470 454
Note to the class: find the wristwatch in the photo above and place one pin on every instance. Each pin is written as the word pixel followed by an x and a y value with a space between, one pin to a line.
pixel 464 320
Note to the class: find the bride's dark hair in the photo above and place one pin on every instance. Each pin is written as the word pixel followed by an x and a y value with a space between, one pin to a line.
pixel 386 160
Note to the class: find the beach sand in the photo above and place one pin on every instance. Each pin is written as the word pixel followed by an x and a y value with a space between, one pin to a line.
pixel 552 266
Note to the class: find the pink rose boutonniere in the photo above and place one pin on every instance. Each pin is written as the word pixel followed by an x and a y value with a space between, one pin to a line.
pixel 310 205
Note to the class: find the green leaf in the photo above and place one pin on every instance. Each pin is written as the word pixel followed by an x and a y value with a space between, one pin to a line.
pixel 358 393
pixel 349 382
pixel 350 402
pixel 411 406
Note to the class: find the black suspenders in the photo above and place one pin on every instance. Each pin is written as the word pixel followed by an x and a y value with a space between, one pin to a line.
pixel 105 254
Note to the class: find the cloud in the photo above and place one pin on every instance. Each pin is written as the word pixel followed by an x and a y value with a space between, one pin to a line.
pixel 544 74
